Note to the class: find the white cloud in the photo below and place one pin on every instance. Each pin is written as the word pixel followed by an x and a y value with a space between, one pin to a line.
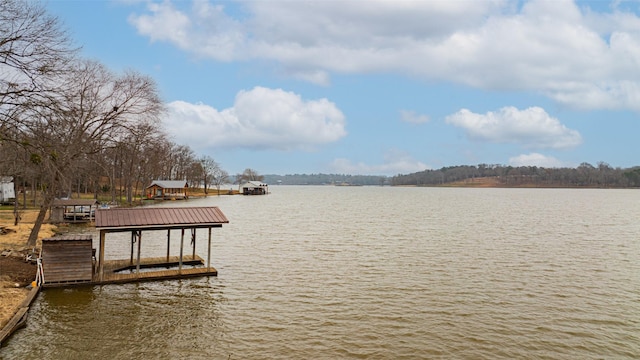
pixel 395 162
pixel 572 54
pixel 412 117
pixel 536 159
pixel 206 30
pixel 530 128
pixel 260 118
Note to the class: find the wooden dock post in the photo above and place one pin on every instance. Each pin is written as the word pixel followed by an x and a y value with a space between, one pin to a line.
pixel 209 253
pixel 193 242
pixel 168 243
pixel 132 242
pixel 139 236
pixel 181 247
pixel 101 265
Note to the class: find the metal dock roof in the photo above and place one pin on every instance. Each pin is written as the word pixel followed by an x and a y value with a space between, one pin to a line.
pixel 160 217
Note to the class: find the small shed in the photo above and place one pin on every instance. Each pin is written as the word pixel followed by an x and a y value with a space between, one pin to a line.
pixel 167 189
pixel 67 259
pixel 254 188
pixel 73 210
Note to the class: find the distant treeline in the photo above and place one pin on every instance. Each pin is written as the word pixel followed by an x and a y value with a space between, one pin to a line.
pixel 325 179
pixel 585 175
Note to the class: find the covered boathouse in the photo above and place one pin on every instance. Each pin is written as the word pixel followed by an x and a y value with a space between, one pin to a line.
pixel 168 190
pixel 70 260
pixel 73 210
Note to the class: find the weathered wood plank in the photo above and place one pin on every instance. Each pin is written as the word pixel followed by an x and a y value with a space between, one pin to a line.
pixel 16 322
pixel 67 260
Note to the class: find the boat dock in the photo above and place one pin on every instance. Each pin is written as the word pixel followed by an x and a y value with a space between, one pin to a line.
pixel 70 260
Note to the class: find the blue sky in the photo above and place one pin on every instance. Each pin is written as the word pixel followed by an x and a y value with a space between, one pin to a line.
pixel 381 87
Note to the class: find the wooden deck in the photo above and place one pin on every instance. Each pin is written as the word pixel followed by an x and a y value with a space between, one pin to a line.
pixel 157 268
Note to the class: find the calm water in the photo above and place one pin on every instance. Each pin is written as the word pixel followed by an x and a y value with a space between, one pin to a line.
pixel 374 273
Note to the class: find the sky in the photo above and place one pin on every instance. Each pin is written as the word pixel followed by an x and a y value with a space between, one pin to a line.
pixel 372 87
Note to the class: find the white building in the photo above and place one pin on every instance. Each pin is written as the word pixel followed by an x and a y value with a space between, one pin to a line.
pixel 254 188
pixel 7 191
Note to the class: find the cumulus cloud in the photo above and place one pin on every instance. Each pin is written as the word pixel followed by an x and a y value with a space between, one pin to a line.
pixel 206 30
pixel 530 128
pixel 570 53
pixel 260 118
pixel 536 159
pixel 413 117
pixel 395 162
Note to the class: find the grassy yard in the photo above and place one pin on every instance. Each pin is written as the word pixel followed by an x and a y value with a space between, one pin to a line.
pixel 15 236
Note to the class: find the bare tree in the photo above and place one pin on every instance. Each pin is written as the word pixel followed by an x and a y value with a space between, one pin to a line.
pixel 133 157
pixel 34 51
pixel 95 111
pixel 209 167
pixel 156 154
pixel 219 177
pixel 179 160
pixel 249 175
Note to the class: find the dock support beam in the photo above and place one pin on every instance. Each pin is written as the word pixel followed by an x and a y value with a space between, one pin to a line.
pixel 193 242
pixel 139 236
pixel 168 243
pixel 101 264
pixel 181 249
pixel 209 253
pixel 133 240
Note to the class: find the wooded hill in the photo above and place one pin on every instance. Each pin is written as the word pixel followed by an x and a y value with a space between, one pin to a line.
pixel 585 175
pixel 483 175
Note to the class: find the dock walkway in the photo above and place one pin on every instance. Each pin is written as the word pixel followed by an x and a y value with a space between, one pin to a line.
pixel 150 269
pixel 120 271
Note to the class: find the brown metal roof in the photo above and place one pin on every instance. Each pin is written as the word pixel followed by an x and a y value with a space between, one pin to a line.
pixel 160 217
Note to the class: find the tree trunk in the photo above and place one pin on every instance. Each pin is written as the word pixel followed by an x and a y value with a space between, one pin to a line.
pixel 24 194
pixel 16 214
pixel 33 236
pixel 33 190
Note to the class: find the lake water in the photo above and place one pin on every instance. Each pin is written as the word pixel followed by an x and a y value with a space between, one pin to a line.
pixel 374 273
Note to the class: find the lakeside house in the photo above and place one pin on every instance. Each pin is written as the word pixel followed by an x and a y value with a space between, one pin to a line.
pixel 167 190
pixel 254 188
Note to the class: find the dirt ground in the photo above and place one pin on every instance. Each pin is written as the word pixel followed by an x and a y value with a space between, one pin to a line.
pixel 15 273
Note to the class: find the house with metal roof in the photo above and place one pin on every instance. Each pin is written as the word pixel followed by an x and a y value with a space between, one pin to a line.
pixel 167 190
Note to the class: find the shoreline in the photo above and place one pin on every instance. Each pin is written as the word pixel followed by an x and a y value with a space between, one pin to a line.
pixel 19 317
pixel 16 275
